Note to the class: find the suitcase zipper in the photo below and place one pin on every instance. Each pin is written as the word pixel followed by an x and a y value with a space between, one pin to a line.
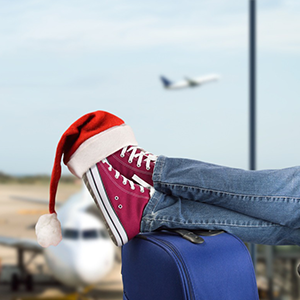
pixel 179 258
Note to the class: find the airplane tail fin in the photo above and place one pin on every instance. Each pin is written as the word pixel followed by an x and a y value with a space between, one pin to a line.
pixel 166 82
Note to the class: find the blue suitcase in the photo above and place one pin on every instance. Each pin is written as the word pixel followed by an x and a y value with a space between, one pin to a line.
pixel 165 266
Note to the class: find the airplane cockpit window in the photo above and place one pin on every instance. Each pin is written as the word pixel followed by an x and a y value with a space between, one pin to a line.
pixel 71 234
pixel 103 234
pixel 89 234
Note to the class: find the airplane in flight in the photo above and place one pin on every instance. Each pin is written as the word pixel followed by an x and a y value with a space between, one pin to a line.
pixel 188 82
pixel 84 256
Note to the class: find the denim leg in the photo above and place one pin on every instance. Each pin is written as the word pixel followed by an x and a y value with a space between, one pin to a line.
pixel 167 211
pixel 269 195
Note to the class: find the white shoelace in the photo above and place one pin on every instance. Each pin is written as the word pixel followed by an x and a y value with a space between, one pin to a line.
pixel 143 183
pixel 148 156
pixel 125 180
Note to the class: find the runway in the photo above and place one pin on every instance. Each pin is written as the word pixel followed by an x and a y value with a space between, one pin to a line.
pixel 17 219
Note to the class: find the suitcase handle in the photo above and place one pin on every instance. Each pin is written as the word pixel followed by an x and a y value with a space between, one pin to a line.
pixel 204 232
pixel 194 236
pixel 189 235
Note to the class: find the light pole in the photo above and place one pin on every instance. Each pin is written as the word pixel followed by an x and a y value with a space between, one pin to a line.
pixel 252 97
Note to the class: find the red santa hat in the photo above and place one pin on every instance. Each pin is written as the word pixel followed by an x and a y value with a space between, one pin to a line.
pixel 87 141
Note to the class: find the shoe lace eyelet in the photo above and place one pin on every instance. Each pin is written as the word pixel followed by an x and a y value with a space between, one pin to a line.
pixel 148 168
pixel 122 155
pixel 116 198
pixel 130 161
pixel 133 188
pixel 124 182
pixel 120 206
pixel 138 165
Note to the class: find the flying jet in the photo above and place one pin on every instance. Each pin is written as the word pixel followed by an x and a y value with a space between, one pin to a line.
pixel 84 256
pixel 188 82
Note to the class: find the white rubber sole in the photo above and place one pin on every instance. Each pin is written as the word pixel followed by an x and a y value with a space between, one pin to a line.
pixel 95 185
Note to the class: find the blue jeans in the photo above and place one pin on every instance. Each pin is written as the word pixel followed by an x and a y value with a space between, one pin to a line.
pixel 261 207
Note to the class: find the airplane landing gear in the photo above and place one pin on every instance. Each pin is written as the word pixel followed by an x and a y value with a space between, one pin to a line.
pixel 21 276
pixel 29 282
pixel 17 280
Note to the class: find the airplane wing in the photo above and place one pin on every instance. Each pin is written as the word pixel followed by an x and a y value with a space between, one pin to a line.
pixel 192 82
pixel 33 200
pixel 23 244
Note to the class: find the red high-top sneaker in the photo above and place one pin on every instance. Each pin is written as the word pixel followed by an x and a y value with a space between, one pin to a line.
pixel 120 201
pixel 131 161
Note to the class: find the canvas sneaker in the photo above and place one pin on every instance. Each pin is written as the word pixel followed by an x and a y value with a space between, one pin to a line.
pixel 121 201
pixel 131 161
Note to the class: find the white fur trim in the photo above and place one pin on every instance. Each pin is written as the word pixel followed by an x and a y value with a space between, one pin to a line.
pixel 99 147
pixel 48 230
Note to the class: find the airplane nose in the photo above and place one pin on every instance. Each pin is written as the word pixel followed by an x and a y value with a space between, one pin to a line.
pixel 92 267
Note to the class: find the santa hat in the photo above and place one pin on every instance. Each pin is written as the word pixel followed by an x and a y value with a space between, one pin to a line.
pixel 87 141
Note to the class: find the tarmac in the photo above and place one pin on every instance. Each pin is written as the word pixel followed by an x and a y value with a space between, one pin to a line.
pixel 17 219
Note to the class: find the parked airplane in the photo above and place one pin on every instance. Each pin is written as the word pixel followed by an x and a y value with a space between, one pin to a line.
pixel 188 82
pixel 84 256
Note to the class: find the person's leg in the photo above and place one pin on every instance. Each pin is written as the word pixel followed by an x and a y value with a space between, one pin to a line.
pixel 270 195
pixel 167 211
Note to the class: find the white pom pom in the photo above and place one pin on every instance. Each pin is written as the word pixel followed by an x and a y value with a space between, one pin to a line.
pixel 48 230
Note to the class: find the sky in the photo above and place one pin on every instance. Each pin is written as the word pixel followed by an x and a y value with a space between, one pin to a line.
pixel 62 59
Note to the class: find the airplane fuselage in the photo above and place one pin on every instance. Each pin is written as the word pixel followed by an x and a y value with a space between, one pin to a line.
pixel 86 254
pixel 188 82
pixel 80 263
